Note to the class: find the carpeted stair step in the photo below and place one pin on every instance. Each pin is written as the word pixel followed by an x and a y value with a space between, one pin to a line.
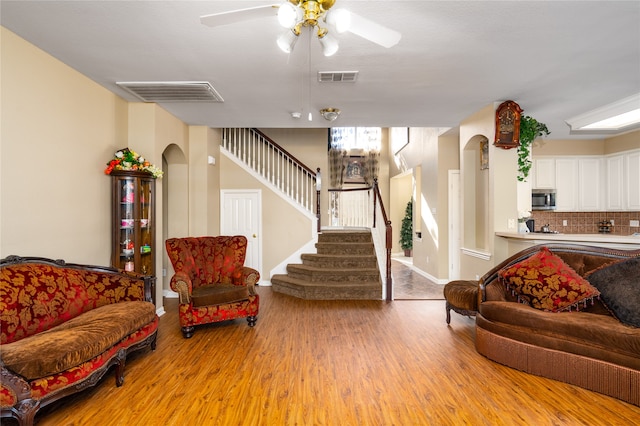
pixel 345 237
pixel 345 248
pixel 332 275
pixel 339 261
pixel 321 291
pixel 344 267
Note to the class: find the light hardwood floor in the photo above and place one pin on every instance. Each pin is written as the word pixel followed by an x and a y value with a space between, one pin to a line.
pixel 331 363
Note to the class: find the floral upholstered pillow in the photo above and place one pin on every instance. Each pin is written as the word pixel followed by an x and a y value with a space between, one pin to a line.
pixel 548 283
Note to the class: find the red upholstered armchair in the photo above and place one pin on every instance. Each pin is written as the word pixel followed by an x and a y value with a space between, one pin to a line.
pixel 212 282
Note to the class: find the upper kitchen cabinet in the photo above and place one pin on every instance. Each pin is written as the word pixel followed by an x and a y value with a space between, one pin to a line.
pixel 616 185
pixel 591 183
pixel 632 173
pixel 566 181
pixel 544 173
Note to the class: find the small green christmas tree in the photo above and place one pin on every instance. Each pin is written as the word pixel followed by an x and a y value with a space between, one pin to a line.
pixel 406 231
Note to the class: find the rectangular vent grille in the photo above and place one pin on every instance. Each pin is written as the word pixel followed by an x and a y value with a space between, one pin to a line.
pixel 337 76
pixel 172 91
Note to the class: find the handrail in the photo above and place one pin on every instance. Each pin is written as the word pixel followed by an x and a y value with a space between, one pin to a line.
pixel 388 230
pixel 361 188
pixel 285 152
pixel 388 235
pixel 276 165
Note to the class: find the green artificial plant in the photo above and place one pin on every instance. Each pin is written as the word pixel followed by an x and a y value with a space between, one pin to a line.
pixel 406 231
pixel 530 129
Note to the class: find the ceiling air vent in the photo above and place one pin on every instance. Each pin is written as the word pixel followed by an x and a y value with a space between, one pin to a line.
pixel 337 76
pixel 172 91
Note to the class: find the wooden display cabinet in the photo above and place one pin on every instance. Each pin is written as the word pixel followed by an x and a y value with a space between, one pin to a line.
pixel 133 216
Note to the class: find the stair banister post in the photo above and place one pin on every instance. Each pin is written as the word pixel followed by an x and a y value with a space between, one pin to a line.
pixel 375 199
pixel 318 188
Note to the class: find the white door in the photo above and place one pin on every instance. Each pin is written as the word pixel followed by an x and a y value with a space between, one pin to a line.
pixel 454 225
pixel 240 215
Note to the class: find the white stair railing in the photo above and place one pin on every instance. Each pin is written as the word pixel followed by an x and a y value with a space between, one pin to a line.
pixel 274 164
pixel 351 208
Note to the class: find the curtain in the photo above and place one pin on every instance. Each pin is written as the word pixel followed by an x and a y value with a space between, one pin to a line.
pixel 371 166
pixel 336 167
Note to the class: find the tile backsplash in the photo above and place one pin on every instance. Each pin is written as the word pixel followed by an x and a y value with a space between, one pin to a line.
pixel 587 222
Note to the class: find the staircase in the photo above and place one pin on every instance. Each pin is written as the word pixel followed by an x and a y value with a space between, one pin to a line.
pixel 344 267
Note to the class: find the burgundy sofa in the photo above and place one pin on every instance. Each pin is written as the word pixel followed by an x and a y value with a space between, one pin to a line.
pixel 63 326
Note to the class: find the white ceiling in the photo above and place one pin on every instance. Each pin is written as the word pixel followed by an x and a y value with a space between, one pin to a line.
pixel 556 59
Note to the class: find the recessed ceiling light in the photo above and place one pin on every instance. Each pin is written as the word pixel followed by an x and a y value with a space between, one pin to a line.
pixel 620 116
pixel 617 121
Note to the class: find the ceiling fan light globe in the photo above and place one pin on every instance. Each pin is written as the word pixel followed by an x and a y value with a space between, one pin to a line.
pixel 288 15
pixel 339 19
pixel 287 41
pixel 329 45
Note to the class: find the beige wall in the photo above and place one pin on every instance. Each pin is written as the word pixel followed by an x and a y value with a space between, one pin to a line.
pixel 57 136
pixel 448 159
pixel 284 229
pixel 310 147
pixel 59 129
pixel 625 142
pixel 478 259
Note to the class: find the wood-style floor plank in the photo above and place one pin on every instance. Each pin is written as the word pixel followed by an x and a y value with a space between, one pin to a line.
pixel 331 363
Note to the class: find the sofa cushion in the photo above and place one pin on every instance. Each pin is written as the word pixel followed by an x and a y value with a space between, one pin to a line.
pixel 77 340
pixel 619 286
pixel 217 294
pixel 546 282
pixel 36 297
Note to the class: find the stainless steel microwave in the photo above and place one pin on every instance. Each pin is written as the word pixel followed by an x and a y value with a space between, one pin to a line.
pixel 543 199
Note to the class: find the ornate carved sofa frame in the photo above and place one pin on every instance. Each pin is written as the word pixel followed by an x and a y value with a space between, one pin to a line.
pixel 63 326
pixel 589 348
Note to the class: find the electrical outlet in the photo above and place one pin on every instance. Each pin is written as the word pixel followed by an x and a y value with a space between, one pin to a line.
pixel 564 223
pixel 164 272
pixel 634 223
pixel 613 222
pixel 511 224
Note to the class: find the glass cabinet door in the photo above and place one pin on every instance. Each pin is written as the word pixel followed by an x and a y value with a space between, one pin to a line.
pixel 127 240
pixel 133 222
pixel 146 226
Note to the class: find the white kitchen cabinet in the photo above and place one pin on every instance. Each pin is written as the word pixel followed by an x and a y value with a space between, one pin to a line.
pixel 632 173
pixel 566 173
pixel 590 185
pixel 544 173
pixel 616 186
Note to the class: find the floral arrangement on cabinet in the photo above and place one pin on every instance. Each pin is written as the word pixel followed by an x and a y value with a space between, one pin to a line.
pixel 125 159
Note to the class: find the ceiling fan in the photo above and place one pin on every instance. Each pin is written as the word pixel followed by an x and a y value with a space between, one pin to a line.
pixel 315 14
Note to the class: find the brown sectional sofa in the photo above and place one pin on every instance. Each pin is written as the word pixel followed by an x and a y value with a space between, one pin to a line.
pixel 63 326
pixel 589 347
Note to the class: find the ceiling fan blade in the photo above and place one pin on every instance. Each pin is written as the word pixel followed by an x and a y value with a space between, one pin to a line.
pixel 239 15
pixel 373 31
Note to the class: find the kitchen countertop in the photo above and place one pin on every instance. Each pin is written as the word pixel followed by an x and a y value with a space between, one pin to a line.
pixel 582 238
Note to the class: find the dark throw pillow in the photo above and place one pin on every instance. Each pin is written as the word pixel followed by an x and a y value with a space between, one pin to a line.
pixel 619 286
pixel 548 283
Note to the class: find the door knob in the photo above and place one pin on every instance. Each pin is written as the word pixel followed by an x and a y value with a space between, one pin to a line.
pixel 254 235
